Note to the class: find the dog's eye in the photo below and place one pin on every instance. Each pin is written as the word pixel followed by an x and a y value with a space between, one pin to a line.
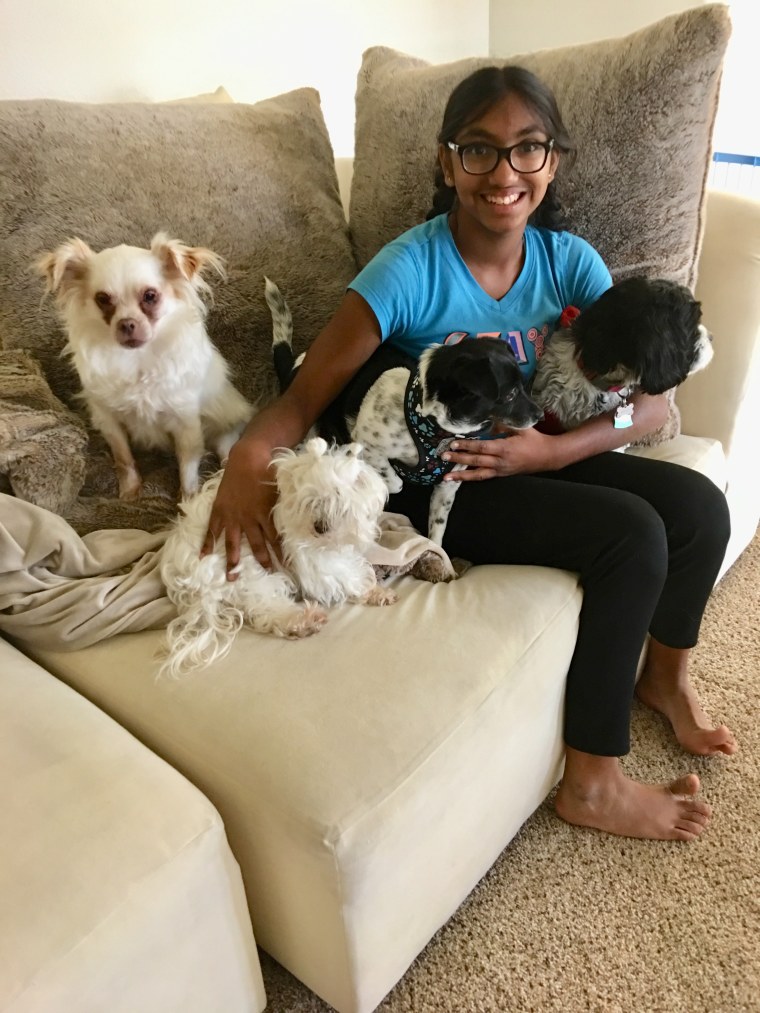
pixel 103 299
pixel 150 296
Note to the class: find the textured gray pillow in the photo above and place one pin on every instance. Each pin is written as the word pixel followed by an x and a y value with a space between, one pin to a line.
pixel 640 110
pixel 255 183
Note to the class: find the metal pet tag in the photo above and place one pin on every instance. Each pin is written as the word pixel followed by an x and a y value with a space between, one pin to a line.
pixel 623 416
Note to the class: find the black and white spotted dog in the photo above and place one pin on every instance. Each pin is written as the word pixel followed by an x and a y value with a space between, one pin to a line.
pixel 640 335
pixel 409 416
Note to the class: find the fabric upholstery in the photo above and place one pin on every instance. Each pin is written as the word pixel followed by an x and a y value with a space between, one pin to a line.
pixel 43 444
pixel 119 890
pixel 353 769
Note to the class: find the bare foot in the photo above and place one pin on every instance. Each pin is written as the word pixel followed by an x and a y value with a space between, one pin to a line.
pixel 618 805
pixel 679 704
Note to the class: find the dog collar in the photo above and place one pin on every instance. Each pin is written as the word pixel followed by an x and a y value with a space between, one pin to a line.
pixel 430 439
pixel 623 417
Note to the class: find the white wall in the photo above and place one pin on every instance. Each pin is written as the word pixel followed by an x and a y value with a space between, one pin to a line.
pixel 120 50
pixel 545 24
pixel 125 50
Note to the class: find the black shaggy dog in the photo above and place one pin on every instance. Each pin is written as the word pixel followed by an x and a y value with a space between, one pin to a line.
pixel 640 335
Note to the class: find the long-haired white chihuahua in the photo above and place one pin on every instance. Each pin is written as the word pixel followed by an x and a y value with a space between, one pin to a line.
pixel 135 327
pixel 327 515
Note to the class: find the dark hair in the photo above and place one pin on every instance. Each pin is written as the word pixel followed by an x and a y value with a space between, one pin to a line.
pixel 473 97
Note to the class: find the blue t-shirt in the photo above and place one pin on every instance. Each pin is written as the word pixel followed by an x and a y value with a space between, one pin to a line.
pixel 422 292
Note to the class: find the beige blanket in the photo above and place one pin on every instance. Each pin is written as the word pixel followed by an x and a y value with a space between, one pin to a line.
pixel 60 591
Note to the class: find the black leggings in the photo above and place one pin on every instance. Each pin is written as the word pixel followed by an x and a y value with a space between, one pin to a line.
pixel 647 539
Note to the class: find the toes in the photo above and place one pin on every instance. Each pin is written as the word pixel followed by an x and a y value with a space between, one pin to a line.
pixel 680 834
pixel 728 744
pixel 713 741
pixel 696 812
pixel 691 828
pixel 686 785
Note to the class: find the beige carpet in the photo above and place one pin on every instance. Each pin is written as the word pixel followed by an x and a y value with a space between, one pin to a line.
pixel 572 920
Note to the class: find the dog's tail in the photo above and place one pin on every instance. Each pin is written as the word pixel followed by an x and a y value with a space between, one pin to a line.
pixel 282 334
pixel 197 637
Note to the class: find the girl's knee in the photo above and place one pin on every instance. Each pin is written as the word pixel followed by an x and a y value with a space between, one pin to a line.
pixel 703 513
pixel 638 542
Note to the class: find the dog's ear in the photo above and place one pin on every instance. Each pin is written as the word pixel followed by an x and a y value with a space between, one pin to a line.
pixel 64 267
pixel 187 262
pixel 473 377
pixel 669 356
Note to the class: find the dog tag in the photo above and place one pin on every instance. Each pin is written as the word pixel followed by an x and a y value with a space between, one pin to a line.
pixel 444 445
pixel 623 416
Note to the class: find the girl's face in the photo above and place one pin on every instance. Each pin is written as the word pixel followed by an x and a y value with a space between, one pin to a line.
pixel 503 199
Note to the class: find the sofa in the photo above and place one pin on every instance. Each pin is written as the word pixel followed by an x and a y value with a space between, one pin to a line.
pixel 352 788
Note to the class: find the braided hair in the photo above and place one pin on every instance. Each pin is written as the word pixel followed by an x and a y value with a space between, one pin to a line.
pixel 473 97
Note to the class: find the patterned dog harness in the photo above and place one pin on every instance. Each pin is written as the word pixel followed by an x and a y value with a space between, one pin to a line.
pixel 429 438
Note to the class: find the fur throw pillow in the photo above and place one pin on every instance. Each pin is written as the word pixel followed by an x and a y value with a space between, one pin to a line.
pixel 42 444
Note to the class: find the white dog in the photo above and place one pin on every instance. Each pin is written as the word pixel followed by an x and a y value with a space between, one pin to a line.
pixel 326 514
pixel 134 320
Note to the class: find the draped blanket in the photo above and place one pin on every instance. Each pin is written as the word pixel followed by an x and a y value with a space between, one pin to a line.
pixel 62 591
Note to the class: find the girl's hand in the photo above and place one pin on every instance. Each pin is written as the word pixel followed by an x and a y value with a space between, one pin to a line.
pixel 525 451
pixel 243 509
pixel 518 451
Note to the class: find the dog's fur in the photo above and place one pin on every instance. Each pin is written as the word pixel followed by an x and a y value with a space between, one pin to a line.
pixel 641 334
pixel 464 388
pixel 326 514
pixel 134 321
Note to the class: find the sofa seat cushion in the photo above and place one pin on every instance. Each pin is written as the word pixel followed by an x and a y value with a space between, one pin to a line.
pixel 118 887
pixel 370 775
pixel 698 452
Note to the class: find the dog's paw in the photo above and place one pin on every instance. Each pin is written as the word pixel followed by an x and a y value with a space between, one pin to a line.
pixel 309 620
pixel 393 482
pixel 432 568
pixel 131 490
pixel 379 595
pixel 461 566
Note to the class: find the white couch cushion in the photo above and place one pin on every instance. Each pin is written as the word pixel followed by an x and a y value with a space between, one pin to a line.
pixel 119 891
pixel 353 770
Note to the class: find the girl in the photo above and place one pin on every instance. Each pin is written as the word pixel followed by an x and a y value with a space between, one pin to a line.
pixel 647 538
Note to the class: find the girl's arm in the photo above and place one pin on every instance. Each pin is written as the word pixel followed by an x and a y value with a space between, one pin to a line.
pixel 247 494
pixel 527 451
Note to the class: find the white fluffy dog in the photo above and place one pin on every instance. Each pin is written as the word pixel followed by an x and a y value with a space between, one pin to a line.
pixel 135 323
pixel 326 514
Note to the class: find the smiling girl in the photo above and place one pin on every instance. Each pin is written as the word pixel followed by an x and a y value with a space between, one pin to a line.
pixel 647 538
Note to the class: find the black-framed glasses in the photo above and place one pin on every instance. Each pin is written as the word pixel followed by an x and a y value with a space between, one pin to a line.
pixel 478 158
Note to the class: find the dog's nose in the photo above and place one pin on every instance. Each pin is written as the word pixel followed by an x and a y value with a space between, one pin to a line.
pixel 127 327
pixel 130 333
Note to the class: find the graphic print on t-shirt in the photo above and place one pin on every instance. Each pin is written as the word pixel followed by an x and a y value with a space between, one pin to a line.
pixel 535 335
